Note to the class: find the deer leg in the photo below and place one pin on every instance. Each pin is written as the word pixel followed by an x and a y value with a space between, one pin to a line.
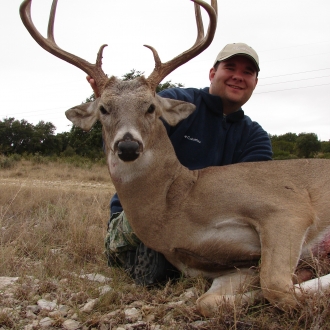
pixel 281 243
pixel 228 289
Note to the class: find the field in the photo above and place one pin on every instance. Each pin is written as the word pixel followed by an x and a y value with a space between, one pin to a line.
pixel 54 274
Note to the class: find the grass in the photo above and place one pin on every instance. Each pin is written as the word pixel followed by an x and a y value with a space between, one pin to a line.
pixel 53 219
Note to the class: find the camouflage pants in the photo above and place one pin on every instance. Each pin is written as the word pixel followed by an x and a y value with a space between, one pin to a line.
pixel 119 239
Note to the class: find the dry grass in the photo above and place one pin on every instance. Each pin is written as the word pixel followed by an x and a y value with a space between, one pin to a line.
pixel 52 232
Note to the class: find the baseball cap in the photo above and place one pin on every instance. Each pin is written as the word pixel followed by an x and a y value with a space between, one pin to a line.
pixel 238 48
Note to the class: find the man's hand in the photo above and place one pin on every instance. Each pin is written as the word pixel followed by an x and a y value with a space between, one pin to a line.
pixel 93 85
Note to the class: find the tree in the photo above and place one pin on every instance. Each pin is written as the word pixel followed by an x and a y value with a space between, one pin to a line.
pixel 132 75
pixel 19 136
pixel 307 145
pixel 87 144
pixel 15 136
pixel 44 140
pixel 167 84
pixel 283 145
pixel 325 146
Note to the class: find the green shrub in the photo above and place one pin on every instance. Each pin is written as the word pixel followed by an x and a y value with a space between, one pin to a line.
pixel 5 162
pixel 325 155
pixel 39 159
pixel 279 155
pixel 8 162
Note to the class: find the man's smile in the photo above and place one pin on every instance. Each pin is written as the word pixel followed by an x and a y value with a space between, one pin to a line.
pixel 234 86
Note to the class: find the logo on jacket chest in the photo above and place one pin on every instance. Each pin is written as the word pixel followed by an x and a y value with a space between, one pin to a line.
pixel 192 139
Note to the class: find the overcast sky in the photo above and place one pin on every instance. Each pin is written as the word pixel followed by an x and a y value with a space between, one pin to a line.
pixel 292 38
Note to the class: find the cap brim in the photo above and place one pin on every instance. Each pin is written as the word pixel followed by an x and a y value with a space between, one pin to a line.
pixel 242 54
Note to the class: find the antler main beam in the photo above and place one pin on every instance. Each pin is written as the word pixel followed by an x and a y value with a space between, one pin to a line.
pixel 161 70
pixel 49 44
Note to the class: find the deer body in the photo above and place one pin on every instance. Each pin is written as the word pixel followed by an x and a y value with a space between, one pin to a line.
pixel 212 221
pixel 219 222
pixel 171 207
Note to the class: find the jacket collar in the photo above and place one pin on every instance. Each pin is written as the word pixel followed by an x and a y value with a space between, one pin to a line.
pixel 214 103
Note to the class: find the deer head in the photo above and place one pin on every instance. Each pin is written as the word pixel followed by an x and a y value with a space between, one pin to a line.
pixel 128 110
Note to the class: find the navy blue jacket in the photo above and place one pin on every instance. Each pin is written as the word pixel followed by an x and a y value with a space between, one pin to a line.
pixel 208 138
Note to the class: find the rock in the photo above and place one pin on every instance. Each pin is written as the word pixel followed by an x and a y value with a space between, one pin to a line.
pixel 30 315
pixel 5 281
pixel 155 327
pixel 75 316
pixel 55 251
pixel 96 277
pixel 64 310
pixel 28 327
pixel 137 303
pixel 199 325
pixel 104 289
pixel 46 322
pixel 79 297
pixel 55 314
pixel 189 294
pixel 35 324
pixel 113 314
pixel 71 325
pixel 33 308
pixel 47 296
pixel 174 304
pixel 63 281
pixel 89 306
pixel 47 305
pixel 136 326
pixel 132 314
pixel 6 310
pixel 150 318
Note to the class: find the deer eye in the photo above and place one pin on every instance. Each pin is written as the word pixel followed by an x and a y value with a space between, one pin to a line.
pixel 151 109
pixel 102 110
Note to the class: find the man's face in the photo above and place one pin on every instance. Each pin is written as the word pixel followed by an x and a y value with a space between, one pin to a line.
pixel 234 80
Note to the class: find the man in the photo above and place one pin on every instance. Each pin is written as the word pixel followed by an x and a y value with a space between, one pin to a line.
pixel 217 133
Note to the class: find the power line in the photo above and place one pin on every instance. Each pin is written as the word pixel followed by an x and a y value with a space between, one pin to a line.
pixel 42 110
pixel 291 58
pixel 288 89
pixel 290 74
pixel 294 46
pixel 289 81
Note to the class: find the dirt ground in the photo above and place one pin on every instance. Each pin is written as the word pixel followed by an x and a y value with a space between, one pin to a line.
pixel 58 176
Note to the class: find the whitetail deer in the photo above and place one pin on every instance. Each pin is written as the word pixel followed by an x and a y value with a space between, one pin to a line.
pixel 218 222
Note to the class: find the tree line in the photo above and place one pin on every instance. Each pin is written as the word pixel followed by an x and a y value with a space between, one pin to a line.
pixel 303 145
pixel 21 137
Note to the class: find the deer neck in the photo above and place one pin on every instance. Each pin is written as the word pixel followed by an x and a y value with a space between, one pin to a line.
pixel 152 186
pixel 156 166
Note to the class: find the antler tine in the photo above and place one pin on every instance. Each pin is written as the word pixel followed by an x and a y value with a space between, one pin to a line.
pixel 50 30
pixel 199 23
pixel 49 44
pixel 161 70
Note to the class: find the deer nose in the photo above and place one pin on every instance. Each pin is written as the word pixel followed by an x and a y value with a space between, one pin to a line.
pixel 128 148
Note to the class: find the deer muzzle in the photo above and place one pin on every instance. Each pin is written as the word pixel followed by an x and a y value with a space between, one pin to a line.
pixel 128 148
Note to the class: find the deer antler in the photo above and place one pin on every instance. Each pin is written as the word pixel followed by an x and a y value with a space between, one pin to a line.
pixel 49 44
pixel 95 70
pixel 161 70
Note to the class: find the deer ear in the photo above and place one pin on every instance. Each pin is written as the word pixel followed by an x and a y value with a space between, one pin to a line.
pixel 173 111
pixel 84 115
